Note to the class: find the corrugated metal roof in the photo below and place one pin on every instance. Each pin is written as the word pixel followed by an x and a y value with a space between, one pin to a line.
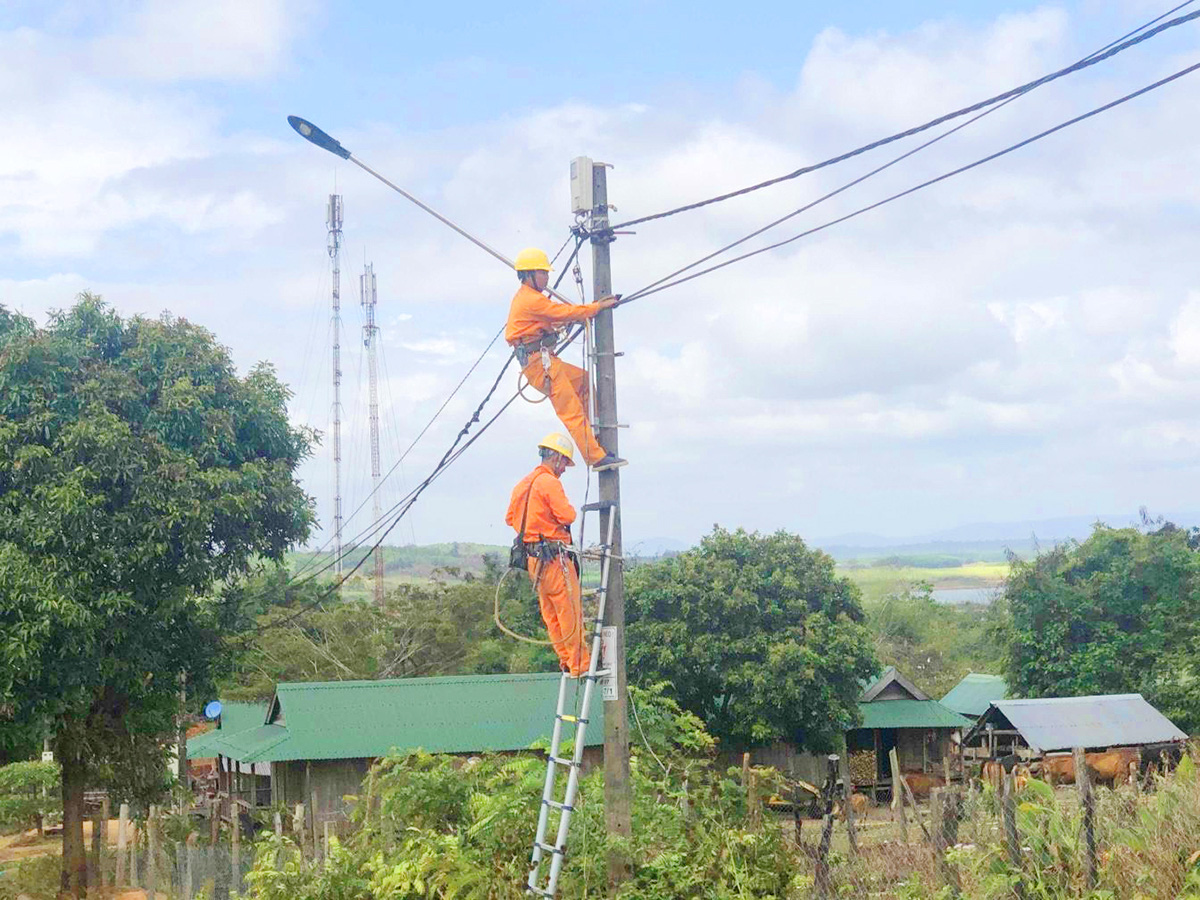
pixel 909 714
pixel 354 719
pixel 235 717
pixel 1061 723
pixel 974 694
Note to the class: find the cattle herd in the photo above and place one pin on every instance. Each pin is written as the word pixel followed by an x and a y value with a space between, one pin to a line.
pixel 1112 768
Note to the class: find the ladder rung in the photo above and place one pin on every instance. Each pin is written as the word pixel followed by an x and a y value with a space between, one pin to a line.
pixel 599 505
pixel 549 848
pixel 573 720
pixel 537 890
pixel 554 804
pixel 563 762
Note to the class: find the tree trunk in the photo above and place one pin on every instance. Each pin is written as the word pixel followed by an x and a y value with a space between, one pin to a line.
pixel 74 856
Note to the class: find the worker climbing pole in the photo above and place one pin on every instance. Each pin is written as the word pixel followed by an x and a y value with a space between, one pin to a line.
pixel 533 323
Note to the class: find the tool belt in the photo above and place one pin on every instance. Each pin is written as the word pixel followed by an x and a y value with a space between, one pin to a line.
pixel 547 340
pixel 550 551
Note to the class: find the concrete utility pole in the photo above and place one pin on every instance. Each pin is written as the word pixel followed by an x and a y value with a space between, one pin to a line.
pixel 618 796
pixel 333 219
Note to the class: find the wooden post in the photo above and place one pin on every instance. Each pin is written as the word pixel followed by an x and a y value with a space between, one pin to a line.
pixel 1012 841
pixel 152 852
pixel 214 821
pixel 368 813
pixel 1083 782
pixel 748 787
pixel 102 866
pixel 946 769
pixel 298 823
pixel 97 850
pixel 823 884
pixel 278 824
pixel 328 835
pixel 235 850
pixel 912 801
pixel 189 865
pixel 851 828
pixel 134 880
pixel 122 823
pixel 946 809
pixel 797 817
pixel 898 794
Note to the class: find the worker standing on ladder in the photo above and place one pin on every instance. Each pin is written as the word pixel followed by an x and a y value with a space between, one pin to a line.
pixel 540 504
pixel 533 321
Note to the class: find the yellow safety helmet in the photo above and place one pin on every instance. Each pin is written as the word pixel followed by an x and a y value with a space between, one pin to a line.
pixel 559 443
pixel 531 259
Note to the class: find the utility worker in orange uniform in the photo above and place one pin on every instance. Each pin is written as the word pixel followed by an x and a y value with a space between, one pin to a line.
pixel 540 502
pixel 533 322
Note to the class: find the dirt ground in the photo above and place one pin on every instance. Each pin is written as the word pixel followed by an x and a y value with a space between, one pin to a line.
pixel 30 843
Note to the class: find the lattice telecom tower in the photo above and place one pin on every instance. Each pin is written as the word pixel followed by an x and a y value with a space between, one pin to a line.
pixel 370 339
pixel 333 218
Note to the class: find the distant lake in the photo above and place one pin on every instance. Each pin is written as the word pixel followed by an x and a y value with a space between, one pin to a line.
pixel 965 595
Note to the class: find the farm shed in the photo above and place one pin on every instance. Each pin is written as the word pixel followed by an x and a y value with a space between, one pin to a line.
pixel 321 737
pixel 251 781
pixel 972 696
pixel 1036 727
pixel 897 714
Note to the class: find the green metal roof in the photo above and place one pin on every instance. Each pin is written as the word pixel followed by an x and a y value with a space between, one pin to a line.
pixel 356 719
pixel 910 714
pixel 235 717
pixel 974 694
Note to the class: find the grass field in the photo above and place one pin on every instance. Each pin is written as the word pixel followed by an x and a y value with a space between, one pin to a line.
pixel 876 581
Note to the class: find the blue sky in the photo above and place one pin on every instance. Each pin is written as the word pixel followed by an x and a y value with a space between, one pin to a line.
pixel 1021 342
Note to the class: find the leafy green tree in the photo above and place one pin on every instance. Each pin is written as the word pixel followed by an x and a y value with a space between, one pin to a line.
pixel 1118 613
pixel 757 636
pixel 29 792
pixel 934 644
pixel 137 472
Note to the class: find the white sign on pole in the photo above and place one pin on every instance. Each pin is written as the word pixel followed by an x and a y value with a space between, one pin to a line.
pixel 608 660
pixel 47 756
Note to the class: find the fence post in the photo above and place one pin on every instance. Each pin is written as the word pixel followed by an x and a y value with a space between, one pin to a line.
pixel 823 885
pixel 278 824
pixel 152 853
pixel 851 830
pixel 105 812
pixel 298 829
pixel 135 880
pixel 189 865
pixel 214 821
pixel 1012 841
pixel 122 822
pixel 94 875
pixel 797 818
pixel 898 794
pixel 328 834
pixel 1083 782
pixel 236 849
pixel 945 809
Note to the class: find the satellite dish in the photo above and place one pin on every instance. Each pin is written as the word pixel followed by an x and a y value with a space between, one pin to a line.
pixel 213 709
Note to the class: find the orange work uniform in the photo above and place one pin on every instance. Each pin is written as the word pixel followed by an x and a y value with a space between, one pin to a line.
pixel 555 580
pixel 532 319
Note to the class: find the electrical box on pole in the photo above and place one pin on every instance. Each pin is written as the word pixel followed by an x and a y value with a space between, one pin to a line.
pixel 581 185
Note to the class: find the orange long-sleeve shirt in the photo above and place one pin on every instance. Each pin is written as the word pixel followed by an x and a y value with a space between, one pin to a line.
pixel 550 512
pixel 532 314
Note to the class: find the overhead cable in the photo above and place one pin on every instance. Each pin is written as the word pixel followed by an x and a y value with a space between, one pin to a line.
pixel 881 168
pixel 933 123
pixel 979 162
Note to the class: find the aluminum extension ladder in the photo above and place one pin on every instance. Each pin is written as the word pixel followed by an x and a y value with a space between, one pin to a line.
pixel 557 851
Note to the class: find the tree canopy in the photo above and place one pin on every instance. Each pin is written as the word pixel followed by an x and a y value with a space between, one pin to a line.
pixel 756 635
pixel 1118 613
pixel 137 471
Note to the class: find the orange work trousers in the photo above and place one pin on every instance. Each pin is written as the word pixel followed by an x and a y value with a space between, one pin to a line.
pixel 558 593
pixel 567 387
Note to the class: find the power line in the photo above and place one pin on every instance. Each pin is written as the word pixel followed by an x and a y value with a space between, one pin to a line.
pixel 975 107
pixel 637 295
pixel 887 165
pixel 448 458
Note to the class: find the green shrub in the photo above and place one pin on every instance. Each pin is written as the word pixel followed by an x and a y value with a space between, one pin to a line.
pixel 28 790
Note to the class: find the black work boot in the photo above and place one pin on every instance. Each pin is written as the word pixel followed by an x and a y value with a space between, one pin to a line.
pixel 610 462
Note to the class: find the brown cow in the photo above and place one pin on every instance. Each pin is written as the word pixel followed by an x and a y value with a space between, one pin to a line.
pixel 921 784
pixel 1058 769
pixel 1113 767
pixel 993 773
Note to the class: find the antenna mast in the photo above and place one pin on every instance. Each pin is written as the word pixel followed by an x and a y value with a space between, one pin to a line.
pixel 370 340
pixel 333 218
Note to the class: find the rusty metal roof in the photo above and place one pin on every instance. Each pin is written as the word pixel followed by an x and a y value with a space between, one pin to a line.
pixel 1061 723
